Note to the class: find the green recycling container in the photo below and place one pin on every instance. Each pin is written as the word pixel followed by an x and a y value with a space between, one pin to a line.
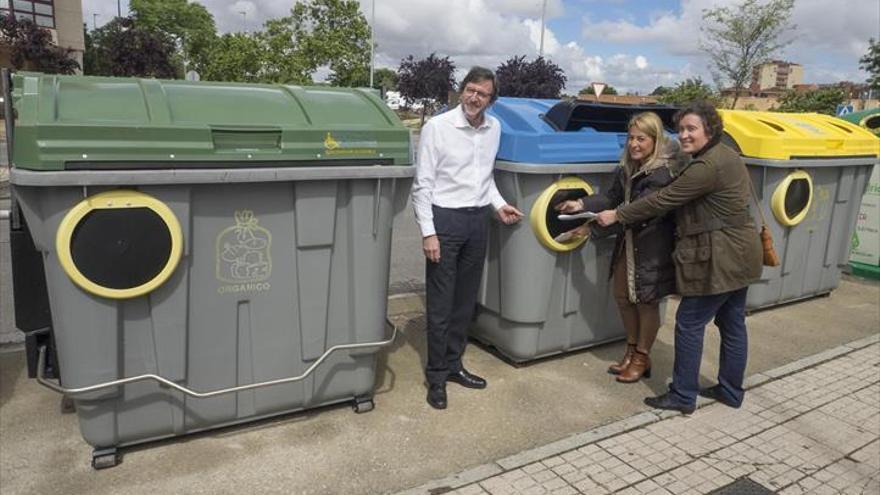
pixel 214 253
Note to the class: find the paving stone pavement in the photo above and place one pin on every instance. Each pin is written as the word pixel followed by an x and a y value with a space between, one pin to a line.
pixel 812 428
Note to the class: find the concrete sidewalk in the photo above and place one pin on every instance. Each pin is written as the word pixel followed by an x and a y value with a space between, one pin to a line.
pixel 404 442
pixel 812 426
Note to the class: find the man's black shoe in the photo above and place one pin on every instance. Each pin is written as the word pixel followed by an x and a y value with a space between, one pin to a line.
pixel 666 401
pixel 466 379
pixel 715 393
pixel 437 395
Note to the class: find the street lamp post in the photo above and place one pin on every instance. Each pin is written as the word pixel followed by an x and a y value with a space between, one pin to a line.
pixel 372 43
pixel 543 12
pixel 94 21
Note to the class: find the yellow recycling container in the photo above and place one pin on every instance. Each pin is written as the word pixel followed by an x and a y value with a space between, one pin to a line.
pixel 809 171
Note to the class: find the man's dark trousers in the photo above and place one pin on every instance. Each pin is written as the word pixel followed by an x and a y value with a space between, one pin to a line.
pixel 451 286
pixel 694 313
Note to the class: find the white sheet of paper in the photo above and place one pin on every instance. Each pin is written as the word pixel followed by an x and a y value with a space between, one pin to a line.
pixel 589 215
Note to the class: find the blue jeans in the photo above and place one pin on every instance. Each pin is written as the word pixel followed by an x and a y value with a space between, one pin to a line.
pixel 694 312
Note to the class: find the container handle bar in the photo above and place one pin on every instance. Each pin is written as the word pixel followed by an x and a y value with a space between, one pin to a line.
pixel 41 364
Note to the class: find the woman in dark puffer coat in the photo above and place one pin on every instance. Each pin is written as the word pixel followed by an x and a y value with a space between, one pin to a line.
pixel 641 268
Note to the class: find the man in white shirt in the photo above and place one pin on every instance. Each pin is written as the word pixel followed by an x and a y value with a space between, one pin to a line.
pixel 452 195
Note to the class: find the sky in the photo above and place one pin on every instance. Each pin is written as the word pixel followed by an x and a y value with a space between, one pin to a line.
pixel 633 45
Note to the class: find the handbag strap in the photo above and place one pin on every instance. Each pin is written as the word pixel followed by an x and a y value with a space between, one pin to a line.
pixel 757 203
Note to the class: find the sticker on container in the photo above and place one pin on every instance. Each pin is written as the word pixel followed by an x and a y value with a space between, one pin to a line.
pixel 345 144
pixel 244 255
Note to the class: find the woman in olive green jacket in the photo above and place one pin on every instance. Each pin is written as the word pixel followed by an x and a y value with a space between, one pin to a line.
pixel 717 255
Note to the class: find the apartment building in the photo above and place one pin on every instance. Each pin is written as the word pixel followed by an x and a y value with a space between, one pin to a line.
pixel 776 75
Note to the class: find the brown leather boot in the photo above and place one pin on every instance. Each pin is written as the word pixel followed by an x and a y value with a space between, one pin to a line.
pixel 639 366
pixel 616 369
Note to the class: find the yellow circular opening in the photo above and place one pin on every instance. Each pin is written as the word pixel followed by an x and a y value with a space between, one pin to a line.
pixel 76 240
pixel 538 215
pixel 792 198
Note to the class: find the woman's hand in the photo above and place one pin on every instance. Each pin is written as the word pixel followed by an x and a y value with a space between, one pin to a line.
pixel 607 218
pixel 570 206
pixel 575 233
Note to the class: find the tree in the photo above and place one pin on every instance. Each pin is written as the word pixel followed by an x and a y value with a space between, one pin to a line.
pixel 425 80
pixel 283 63
pixel 334 33
pixel 609 90
pixel 385 79
pixel 188 24
pixel 823 100
pixel 741 37
pixel 319 33
pixel 122 48
pixel 870 63
pixel 31 47
pixel 90 60
pixel 234 57
pixel 537 79
pixel 687 91
pixel 660 90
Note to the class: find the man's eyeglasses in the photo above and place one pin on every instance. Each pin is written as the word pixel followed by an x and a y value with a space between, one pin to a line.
pixel 469 91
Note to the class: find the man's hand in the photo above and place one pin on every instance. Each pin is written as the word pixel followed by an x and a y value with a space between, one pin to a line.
pixel 607 218
pixel 570 206
pixel 509 214
pixel 431 248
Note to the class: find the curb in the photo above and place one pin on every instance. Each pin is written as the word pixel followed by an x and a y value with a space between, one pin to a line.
pixel 488 470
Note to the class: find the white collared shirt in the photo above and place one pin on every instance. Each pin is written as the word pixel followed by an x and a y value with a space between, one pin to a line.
pixel 454 167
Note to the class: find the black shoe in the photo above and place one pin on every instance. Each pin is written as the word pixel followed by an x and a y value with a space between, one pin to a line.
pixel 466 379
pixel 666 401
pixel 715 393
pixel 437 396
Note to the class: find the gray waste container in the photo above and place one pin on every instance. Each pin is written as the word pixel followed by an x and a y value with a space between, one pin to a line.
pixel 540 297
pixel 810 172
pixel 214 253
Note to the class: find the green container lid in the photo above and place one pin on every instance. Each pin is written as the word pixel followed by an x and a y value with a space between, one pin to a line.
pixel 103 123
pixel 869 119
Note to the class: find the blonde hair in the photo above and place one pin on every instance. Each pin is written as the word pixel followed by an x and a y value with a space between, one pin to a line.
pixel 650 124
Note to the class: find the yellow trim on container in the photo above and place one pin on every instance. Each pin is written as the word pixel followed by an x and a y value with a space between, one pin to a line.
pixel 118 199
pixel 777 201
pixel 538 215
pixel 781 136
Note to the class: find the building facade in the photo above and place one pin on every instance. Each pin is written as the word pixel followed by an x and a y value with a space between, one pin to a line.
pixel 776 75
pixel 63 18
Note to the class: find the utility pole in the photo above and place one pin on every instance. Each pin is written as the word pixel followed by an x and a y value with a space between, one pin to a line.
pixel 94 22
pixel 543 13
pixel 243 18
pixel 372 43
pixel 118 8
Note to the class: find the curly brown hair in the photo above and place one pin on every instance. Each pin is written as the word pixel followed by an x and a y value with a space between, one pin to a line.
pixel 708 115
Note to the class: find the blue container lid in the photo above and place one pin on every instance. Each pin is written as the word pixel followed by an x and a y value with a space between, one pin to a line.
pixel 539 131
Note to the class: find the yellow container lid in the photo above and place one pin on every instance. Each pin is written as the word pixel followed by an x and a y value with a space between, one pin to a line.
pixel 783 136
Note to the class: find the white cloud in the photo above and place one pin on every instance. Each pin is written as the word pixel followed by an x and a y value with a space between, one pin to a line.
pixel 677 34
pixel 665 50
pixel 825 37
pixel 527 8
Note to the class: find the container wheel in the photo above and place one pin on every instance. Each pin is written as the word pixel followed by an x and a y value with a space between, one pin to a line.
pixel 105 458
pixel 67 405
pixel 363 405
